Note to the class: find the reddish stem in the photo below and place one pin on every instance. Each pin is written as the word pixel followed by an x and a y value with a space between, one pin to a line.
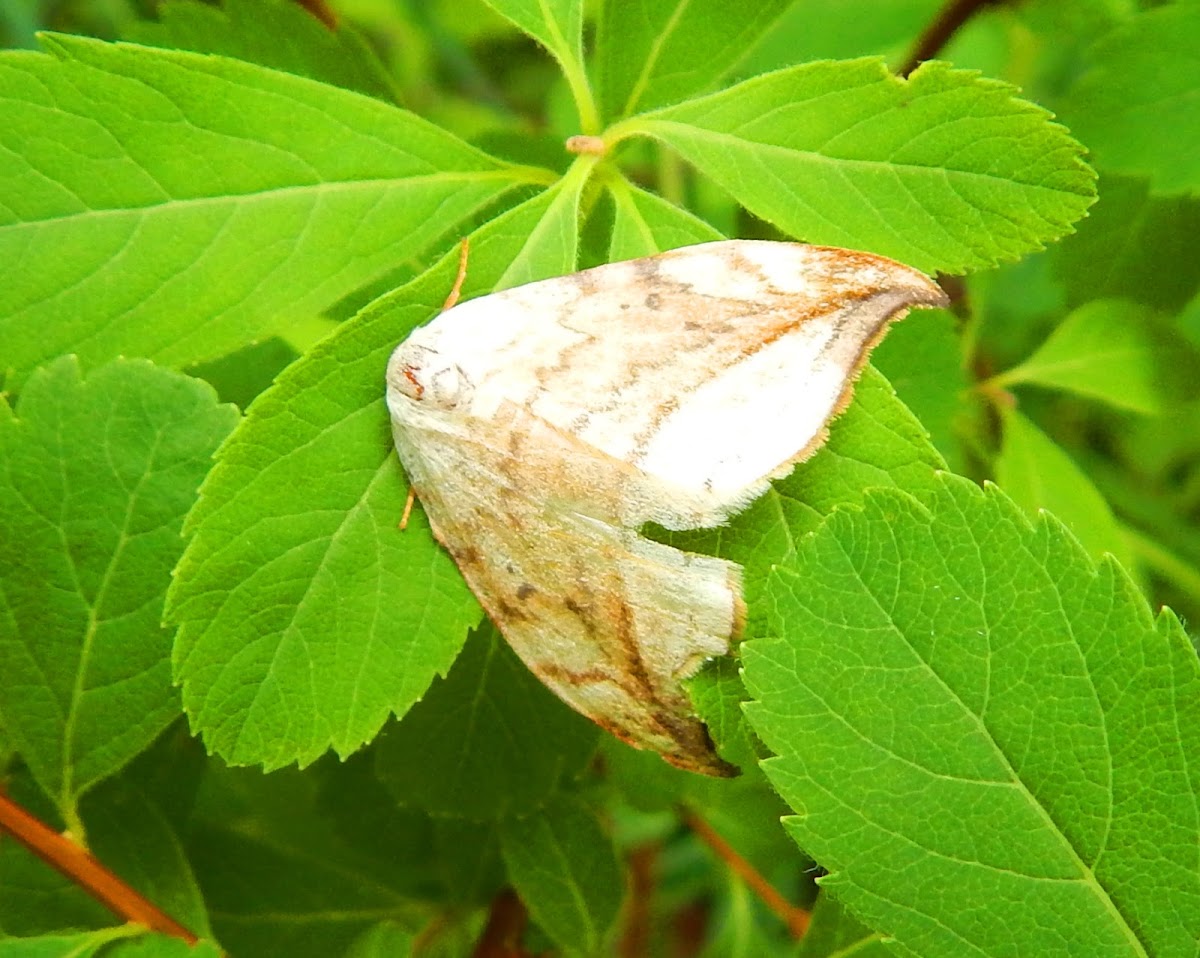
pixel 321 10
pixel 61 853
pixel 635 933
pixel 795 918
pixel 939 32
pixel 501 937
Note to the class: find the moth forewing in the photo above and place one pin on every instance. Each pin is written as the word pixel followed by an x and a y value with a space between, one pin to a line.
pixel 543 425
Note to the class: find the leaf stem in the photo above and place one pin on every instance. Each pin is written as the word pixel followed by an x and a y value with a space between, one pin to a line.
pixel 320 9
pixel 501 937
pixel 568 52
pixel 581 93
pixel 62 854
pixel 635 933
pixel 940 30
pixel 995 389
pixel 795 918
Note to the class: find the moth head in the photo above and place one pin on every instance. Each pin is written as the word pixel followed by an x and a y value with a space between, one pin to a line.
pixel 425 377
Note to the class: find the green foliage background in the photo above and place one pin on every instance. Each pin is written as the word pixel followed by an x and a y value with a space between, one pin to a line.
pixel 967 704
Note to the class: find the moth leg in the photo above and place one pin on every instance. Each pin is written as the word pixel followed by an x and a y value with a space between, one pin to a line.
pixel 408 506
pixel 463 248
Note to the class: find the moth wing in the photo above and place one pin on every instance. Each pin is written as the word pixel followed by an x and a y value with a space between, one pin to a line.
pixel 711 369
pixel 609 621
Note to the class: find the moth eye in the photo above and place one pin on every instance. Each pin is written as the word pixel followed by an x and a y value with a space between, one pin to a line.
pixel 447 387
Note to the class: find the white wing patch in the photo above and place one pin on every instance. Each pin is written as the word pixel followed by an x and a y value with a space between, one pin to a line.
pixel 542 425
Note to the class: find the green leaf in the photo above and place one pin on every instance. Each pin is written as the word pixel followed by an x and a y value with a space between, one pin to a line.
pixel 97 476
pixel 55 946
pixel 1038 474
pixel 241 376
pixel 276 881
pixel 296 567
pixel 650 53
pixel 468 858
pixel 645 224
pixel 1189 322
pixel 394 844
pixel 35 899
pixel 1138 103
pixel 745 810
pixel 488 740
pixel 1133 246
pixel 454 935
pixel 251 29
pixel 562 864
pixel 131 835
pixel 743 928
pixel 834 932
pixel 125 941
pixel 178 206
pixel 922 359
pixel 1013 308
pixel 984 734
pixel 945 171
pixel 748 814
pixel 161 946
pixel 385 940
pixel 551 249
pixel 717 693
pixel 558 26
pixel 642 779
pixel 830 30
pixel 1109 350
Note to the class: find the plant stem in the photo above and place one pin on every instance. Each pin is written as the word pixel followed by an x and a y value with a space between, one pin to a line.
pixel 635 933
pixel 585 103
pixel 939 32
pixel 795 918
pixel 71 860
pixel 501 937
pixel 320 9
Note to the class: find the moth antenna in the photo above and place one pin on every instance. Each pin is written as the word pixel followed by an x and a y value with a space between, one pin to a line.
pixel 463 248
pixel 408 506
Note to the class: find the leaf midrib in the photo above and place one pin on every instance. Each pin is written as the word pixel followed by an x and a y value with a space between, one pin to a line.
pixel 317 190
pixel 732 140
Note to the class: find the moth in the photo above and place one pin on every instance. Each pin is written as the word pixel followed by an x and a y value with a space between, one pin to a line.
pixel 543 425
